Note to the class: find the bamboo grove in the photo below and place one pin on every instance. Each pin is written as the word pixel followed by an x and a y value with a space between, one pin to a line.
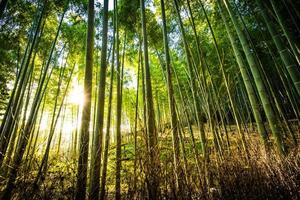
pixel 149 99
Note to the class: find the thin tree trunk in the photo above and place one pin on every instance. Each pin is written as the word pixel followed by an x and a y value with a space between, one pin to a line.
pixel 31 119
pixel 61 130
pixel 254 67
pixel 14 107
pixel 43 167
pixel 174 122
pixel 32 149
pixel 294 44
pixel 108 121
pixel 118 110
pixel 153 165
pixel 135 125
pixel 98 134
pixel 247 81
pixel 86 110
pixel 284 53
pixel 244 144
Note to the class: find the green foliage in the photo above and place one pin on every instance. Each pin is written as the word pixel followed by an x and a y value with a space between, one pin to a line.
pixel 215 108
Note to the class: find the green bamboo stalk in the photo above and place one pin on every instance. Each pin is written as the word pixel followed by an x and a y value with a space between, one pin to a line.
pixel 262 91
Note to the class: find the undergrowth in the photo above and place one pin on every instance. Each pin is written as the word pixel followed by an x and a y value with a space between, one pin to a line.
pixel 261 177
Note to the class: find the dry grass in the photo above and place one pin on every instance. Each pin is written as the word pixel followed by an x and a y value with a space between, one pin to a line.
pixel 261 177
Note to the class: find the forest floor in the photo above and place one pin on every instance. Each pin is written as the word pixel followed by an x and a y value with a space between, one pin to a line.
pixel 233 177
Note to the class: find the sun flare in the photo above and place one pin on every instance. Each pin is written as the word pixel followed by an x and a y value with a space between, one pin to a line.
pixel 76 95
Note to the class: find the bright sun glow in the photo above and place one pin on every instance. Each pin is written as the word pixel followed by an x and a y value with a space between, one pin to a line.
pixel 68 128
pixel 44 122
pixel 76 95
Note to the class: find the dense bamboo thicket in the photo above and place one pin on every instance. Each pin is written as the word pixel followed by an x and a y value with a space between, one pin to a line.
pixel 149 99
